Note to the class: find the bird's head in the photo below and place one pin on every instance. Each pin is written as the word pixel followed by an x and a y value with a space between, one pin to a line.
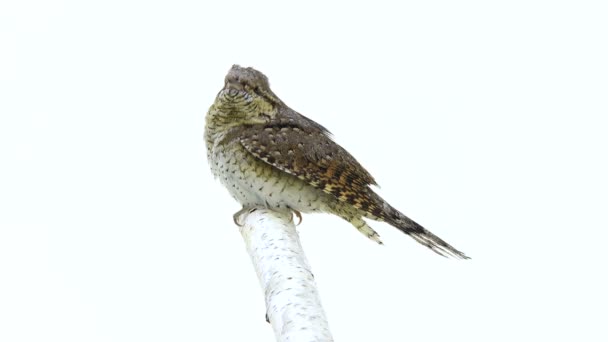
pixel 246 98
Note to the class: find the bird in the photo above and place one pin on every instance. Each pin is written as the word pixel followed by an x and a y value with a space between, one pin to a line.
pixel 268 155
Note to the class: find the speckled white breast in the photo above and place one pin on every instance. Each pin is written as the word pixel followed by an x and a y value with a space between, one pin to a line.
pixel 252 182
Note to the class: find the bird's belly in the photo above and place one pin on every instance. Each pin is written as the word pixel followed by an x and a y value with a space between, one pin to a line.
pixel 252 182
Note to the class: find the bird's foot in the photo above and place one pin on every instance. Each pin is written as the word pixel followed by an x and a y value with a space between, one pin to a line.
pixel 299 215
pixel 238 214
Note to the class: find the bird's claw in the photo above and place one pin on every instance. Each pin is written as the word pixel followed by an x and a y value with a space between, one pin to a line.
pixel 298 215
pixel 235 217
pixel 238 214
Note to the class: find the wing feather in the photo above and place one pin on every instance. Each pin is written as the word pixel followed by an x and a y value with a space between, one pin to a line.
pixel 309 153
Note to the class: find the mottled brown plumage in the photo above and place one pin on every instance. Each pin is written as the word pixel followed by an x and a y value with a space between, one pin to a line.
pixel 267 154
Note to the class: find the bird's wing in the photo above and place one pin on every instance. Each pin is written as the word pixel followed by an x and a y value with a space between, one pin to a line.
pixel 311 155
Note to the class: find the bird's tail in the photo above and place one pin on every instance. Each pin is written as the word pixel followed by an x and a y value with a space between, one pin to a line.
pixel 423 236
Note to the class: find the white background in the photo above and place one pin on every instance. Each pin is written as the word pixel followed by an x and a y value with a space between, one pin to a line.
pixel 484 121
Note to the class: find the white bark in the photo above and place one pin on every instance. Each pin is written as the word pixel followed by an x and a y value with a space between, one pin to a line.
pixel 292 300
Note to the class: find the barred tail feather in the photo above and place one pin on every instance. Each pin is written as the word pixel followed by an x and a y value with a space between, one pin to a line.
pixel 423 236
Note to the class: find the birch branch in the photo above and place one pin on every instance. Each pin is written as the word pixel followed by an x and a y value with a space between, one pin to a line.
pixel 293 306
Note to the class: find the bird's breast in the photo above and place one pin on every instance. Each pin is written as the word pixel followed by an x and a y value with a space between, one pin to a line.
pixel 253 182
